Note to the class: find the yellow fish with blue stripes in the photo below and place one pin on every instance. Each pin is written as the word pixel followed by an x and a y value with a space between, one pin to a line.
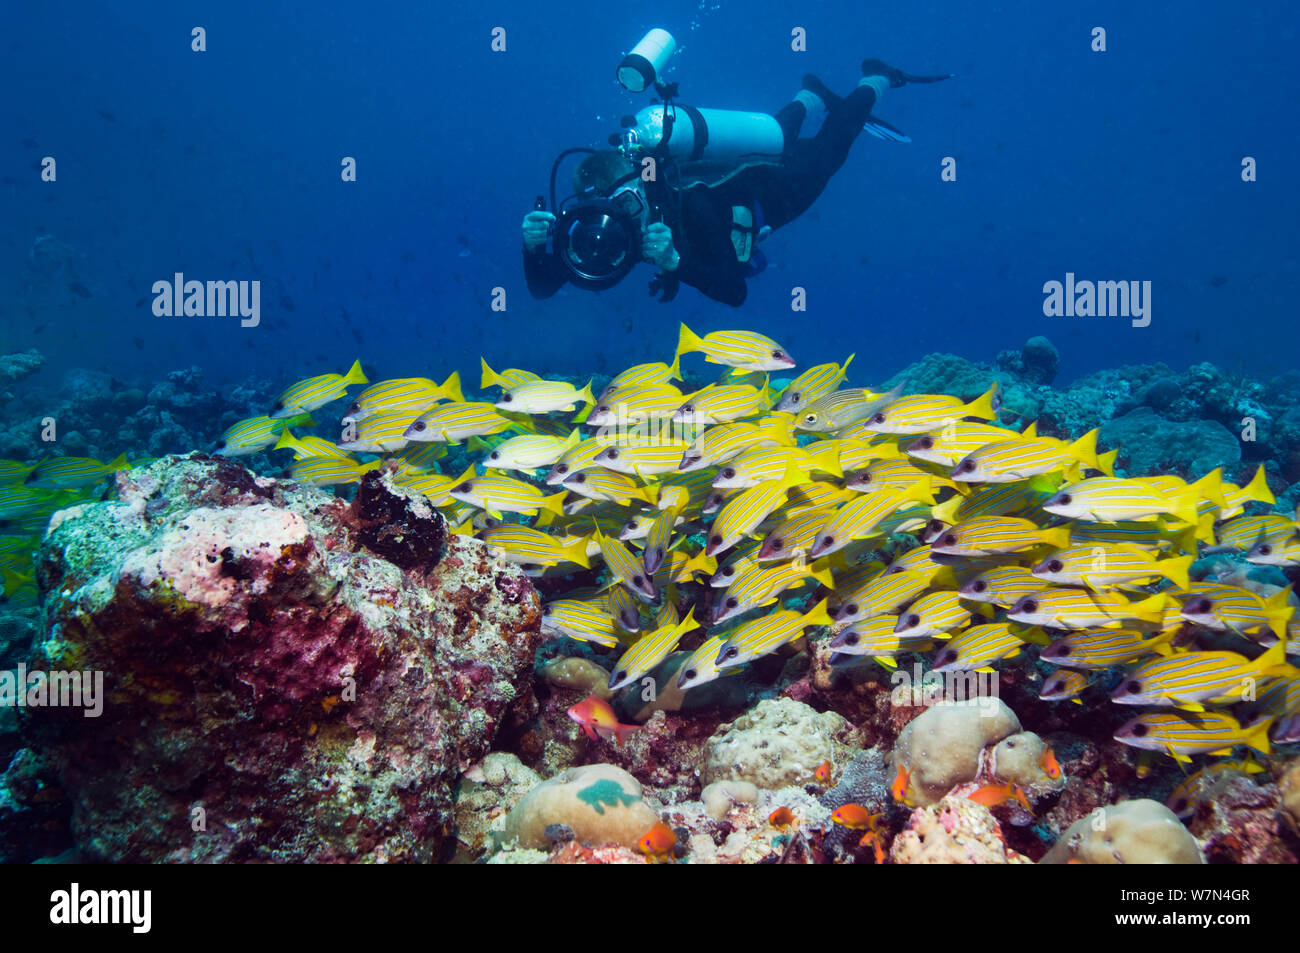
pixel 743 350
pixel 306 396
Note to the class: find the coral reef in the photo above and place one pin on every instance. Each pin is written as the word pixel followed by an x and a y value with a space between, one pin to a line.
pixel 289 677
pixel 1239 821
pixel 297 674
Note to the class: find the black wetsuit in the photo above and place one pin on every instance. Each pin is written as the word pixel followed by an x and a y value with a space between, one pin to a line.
pixel 701 221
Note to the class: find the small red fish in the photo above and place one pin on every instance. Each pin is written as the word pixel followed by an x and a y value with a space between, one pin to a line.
pixel 781 817
pixel 824 772
pixel 991 795
pixel 658 842
pixel 598 719
pixel 901 783
pixel 855 817
pixel 1048 763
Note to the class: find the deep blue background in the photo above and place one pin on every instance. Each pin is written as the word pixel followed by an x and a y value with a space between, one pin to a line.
pixel 225 165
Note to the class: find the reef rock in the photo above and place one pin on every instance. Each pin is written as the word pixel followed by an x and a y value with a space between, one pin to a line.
pixel 942 747
pixel 14 367
pixel 289 677
pixel 487 793
pixel 1130 832
pixel 1149 443
pixel 1238 820
pixel 779 743
pixel 721 796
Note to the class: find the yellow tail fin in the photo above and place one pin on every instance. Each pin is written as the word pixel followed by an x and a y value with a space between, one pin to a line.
pixel 1175 570
pixel 576 552
pixel 982 406
pixel 1183 507
pixel 1210 487
pixel 687 341
pixel 675 368
pixel 1085 450
pixel 1057 537
pixel 490 378
pixel 287 441
pixel 451 388
pixel 817 615
pixel 1257 735
pixel 1257 488
pixel 826 457
pixel 555 503
pixel 355 375
pixel 1148 610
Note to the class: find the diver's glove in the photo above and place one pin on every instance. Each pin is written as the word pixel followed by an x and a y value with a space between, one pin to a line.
pixel 537 225
pixel 657 247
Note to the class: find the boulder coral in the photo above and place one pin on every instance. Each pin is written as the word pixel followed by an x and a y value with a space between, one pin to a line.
pixel 1130 832
pixel 599 803
pixel 942 747
pixel 778 743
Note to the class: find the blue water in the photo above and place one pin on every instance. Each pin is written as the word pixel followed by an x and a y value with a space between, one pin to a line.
pixel 225 165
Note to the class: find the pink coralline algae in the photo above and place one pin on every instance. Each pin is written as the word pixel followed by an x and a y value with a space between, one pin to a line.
pixel 290 677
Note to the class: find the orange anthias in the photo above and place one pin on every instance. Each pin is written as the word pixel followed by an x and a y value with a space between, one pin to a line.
pixel 855 817
pixel 658 842
pixel 598 719
pixel 824 772
pixel 781 817
pixel 901 783
pixel 1048 763
pixel 991 795
pixel 873 837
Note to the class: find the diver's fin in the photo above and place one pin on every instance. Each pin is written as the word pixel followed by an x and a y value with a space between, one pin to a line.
pixel 883 130
pixel 939 78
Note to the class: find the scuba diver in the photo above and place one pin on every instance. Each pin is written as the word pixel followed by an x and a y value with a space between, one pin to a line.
pixel 718 183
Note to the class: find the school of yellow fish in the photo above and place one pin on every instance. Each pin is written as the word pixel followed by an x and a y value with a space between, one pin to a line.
pixel 743 516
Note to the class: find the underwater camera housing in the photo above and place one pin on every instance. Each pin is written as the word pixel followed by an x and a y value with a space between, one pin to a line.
pixel 598 233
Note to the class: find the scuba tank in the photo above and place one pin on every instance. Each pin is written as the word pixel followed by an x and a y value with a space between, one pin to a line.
pixel 707 134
